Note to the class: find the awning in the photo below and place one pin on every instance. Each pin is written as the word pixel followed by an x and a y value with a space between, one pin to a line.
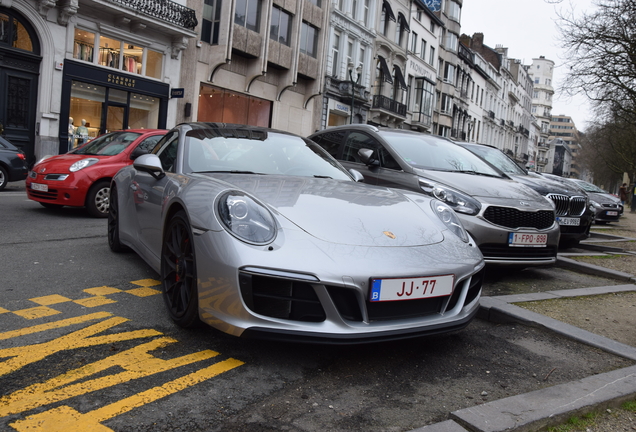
pixel 386 73
pixel 399 77
pixel 387 9
pixel 403 22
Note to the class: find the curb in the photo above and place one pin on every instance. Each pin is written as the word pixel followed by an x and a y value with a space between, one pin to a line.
pixel 552 405
pixel 594 270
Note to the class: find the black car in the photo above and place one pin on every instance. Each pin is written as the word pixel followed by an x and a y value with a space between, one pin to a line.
pixel 13 165
pixel 571 204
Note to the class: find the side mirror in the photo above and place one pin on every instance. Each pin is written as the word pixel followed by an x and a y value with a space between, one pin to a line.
pixel 357 175
pixel 151 164
pixel 367 156
pixel 138 152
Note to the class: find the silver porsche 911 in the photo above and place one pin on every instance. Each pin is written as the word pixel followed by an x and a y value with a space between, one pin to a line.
pixel 261 233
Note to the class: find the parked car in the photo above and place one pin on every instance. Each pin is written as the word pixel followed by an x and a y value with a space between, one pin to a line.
pixel 13 165
pixel 260 233
pixel 571 204
pixel 81 177
pixel 608 207
pixel 511 223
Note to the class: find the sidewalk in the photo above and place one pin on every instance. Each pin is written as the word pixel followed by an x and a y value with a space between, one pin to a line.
pixel 554 405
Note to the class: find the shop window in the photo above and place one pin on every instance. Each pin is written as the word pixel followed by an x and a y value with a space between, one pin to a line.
pixel 84 45
pixel 86 105
pixel 144 111
pixel 154 64
pixel 122 55
pixel 219 105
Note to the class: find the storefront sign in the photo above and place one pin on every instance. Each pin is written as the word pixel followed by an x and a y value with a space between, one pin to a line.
pixel 176 93
pixel 121 80
pixel 339 107
pixel 419 70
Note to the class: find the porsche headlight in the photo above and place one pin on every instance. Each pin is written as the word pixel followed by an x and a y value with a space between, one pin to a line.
pixel 81 164
pixel 450 219
pixel 245 218
pixel 458 201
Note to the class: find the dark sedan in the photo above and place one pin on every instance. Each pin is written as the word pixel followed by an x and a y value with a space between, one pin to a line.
pixel 13 165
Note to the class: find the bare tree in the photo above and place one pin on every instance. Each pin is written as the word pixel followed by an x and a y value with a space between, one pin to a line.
pixel 608 150
pixel 601 57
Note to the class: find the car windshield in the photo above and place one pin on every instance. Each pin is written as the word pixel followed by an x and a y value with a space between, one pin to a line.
pixel 589 187
pixel 109 144
pixel 258 152
pixel 495 157
pixel 426 152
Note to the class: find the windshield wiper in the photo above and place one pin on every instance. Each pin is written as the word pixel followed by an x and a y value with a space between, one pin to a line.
pixel 227 172
pixel 322 176
pixel 477 173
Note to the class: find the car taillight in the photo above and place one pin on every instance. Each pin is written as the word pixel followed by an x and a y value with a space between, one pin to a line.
pixel 21 156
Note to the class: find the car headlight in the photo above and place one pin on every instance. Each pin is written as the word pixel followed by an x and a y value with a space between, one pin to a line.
pixel 595 204
pixel 246 219
pixel 81 164
pixel 456 200
pixel 450 219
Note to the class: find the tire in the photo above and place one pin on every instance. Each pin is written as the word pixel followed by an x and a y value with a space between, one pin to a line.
pixel 51 206
pixel 113 224
pixel 568 243
pixel 98 199
pixel 179 273
pixel 4 177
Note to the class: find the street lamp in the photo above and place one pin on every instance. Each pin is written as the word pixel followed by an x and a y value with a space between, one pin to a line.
pixel 353 84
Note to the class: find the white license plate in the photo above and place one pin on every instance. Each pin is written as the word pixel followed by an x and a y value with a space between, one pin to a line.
pixel 40 187
pixel 569 221
pixel 527 239
pixel 612 213
pixel 411 288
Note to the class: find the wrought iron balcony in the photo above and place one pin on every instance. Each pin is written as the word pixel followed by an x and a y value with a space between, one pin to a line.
pixel 165 10
pixel 387 104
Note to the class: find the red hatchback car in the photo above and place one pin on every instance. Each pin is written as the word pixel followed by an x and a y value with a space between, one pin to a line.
pixel 81 177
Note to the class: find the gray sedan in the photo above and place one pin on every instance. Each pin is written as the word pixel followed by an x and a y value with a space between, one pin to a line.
pixel 511 223
pixel 260 233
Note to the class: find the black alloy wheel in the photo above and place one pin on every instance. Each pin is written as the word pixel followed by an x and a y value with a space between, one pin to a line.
pixel 179 273
pixel 113 224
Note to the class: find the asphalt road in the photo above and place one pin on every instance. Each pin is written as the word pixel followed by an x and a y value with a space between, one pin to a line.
pixel 85 341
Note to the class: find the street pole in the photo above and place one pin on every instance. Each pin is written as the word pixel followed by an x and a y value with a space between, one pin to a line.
pixel 353 88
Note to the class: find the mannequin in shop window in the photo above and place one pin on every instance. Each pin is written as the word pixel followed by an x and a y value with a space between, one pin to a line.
pixel 82 133
pixel 71 133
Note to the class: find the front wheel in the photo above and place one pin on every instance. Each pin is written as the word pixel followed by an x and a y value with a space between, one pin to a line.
pixel 179 272
pixel 4 177
pixel 98 199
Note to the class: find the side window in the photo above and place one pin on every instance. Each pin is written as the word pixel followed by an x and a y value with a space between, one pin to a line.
pixel 149 143
pixel 167 152
pixel 357 140
pixel 331 142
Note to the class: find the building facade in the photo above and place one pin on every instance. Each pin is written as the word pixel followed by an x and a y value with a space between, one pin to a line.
pixel 100 64
pixel 541 72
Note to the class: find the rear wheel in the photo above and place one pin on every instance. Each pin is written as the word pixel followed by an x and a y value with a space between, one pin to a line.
pixel 4 177
pixel 113 224
pixel 179 272
pixel 98 199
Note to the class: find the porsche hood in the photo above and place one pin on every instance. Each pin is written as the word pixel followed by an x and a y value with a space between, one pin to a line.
pixel 346 212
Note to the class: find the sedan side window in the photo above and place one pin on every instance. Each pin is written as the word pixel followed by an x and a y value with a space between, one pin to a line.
pixel 149 143
pixel 331 142
pixel 357 140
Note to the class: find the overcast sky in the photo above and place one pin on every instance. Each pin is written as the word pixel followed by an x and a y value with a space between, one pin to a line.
pixel 528 29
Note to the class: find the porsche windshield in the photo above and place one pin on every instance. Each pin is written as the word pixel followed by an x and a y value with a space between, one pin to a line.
pixel 259 152
pixel 426 152
pixel 109 144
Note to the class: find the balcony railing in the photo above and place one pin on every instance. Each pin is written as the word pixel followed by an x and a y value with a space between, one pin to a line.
pixel 491 114
pixel 164 10
pixel 385 103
